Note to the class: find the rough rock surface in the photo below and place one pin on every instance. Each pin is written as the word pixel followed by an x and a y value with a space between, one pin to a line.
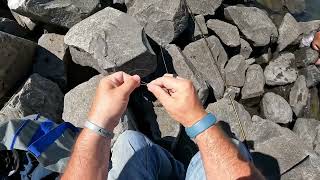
pixel 38 95
pixel 264 58
pixel 276 108
pixel 163 20
pixel 312 75
pixel 24 21
pixel 295 6
pixel 100 47
pixel 299 94
pixel 62 13
pixel 77 103
pixel 306 129
pixel 235 71
pixel 199 55
pixel 305 56
pixel 279 71
pixel 12 27
pixel 54 43
pixel 254 83
pixel 193 29
pixel 232 92
pixel 253 23
pixel 228 33
pixel 224 111
pixel 289 31
pixel 16 57
pixel 205 7
pixel 184 68
pixel 245 48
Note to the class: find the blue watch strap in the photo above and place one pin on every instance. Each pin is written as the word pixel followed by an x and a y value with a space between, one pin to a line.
pixel 205 123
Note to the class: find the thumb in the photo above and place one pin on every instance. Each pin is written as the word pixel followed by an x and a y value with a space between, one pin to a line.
pixel 160 94
pixel 130 83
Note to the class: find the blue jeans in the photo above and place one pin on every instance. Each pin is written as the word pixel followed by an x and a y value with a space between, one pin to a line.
pixel 134 156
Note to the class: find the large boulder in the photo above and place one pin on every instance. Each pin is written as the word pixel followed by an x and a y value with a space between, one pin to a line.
pixel 228 33
pixel 205 7
pixel 224 110
pixel 235 71
pixel 299 94
pixel 77 103
pixel 276 108
pixel 312 75
pixel 305 56
pixel 16 57
pixel 162 20
pixel 62 13
pixel 37 96
pixel 276 149
pixel 253 23
pixel 254 83
pixel 184 68
pixel 51 57
pixel 199 55
pixel 117 42
pixel 289 31
pixel 306 129
pixel 280 72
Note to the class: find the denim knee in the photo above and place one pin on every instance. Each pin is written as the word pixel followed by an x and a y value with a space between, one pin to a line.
pixel 132 140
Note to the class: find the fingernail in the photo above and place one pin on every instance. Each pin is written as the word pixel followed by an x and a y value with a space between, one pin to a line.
pixel 136 78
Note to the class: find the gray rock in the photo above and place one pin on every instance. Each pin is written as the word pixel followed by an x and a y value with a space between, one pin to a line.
pixel 236 71
pixel 312 75
pixel 37 96
pixel 232 92
pixel 16 58
pixel 184 68
pixel 253 23
pixel 77 103
pixel 224 111
pixel 280 72
pixel 306 129
pixel 54 43
pixel 24 21
pixel 289 31
pixel 276 108
pixel 12 27
pixel 295 6
pixel 245 48
pixel 194 31
pixel 305 56
pixel 316 142
pixel 254 84
pixel 309 26
pixel 99 47
pixel 299 94
pixel 199 55
pixel 205 7
pixel 62 13
pixel 312 110
pixel 250 61
pixel 264 58
pixel 228 33
pixel 163 20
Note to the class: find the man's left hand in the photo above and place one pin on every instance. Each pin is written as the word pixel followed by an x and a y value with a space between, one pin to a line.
pixel 111 99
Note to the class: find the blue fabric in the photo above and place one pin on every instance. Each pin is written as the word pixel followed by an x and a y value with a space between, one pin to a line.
pixel 135 157
pixel 16 134
pixel 40 145
pixel 44 128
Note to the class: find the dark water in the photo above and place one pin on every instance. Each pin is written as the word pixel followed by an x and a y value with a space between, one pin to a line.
pixel 311 12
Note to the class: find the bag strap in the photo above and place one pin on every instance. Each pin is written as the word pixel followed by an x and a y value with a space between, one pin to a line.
pixel 23 124
pixel 41 144
pixel 43 129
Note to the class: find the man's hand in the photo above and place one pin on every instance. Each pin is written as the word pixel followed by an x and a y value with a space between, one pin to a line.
pixel 111 99
pixel 316 45
pixel 179 98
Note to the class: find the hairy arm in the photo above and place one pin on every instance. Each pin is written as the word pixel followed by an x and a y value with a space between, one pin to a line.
pixel 91 153
pixel 222 159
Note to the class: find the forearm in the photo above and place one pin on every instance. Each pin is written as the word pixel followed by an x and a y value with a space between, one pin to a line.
pixel 222 159
pixel 90 157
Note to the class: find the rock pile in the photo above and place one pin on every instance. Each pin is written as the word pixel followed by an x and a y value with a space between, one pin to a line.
pixel 245 62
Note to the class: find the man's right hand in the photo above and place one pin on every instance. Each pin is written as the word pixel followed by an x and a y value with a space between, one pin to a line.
pixel 316 45
pixel 179 98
